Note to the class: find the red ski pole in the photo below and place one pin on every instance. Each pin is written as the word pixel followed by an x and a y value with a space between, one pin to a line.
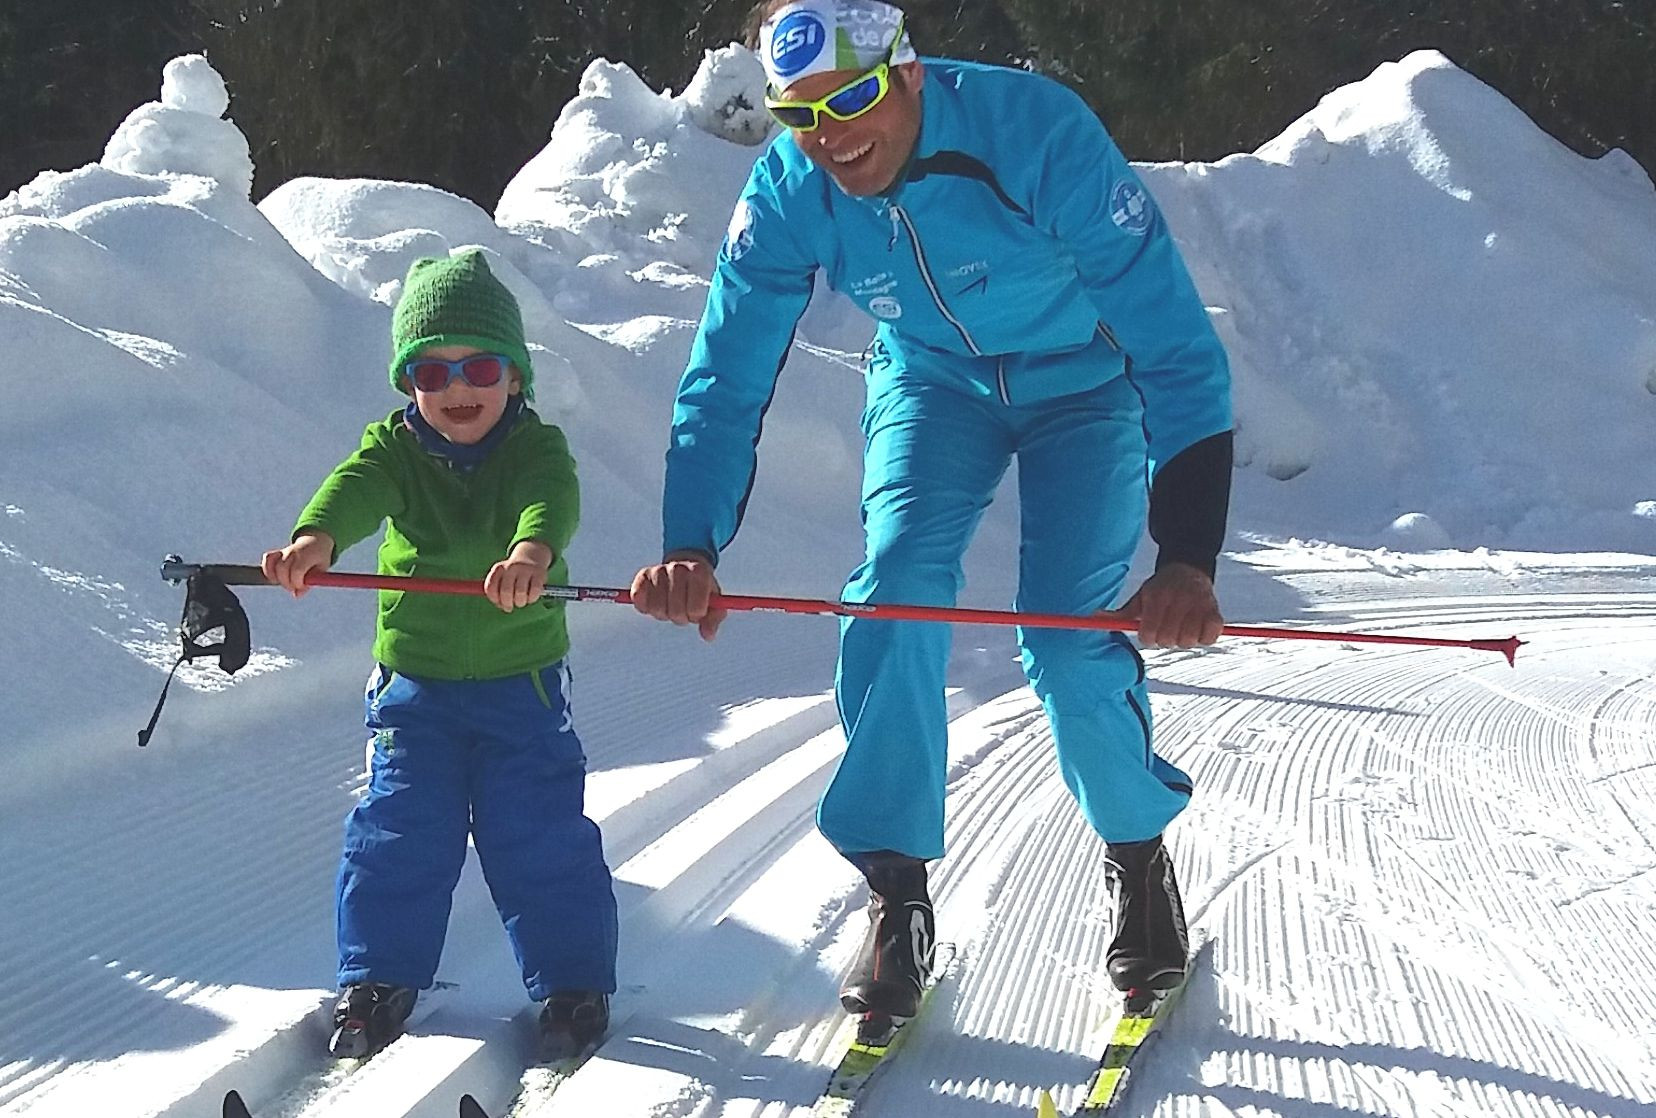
pixel 235 574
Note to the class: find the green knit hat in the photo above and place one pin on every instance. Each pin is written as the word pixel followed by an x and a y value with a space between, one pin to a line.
pixel 456 300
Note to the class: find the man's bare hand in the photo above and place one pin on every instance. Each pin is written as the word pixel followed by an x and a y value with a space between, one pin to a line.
pixel 1176 608
pixel 680 589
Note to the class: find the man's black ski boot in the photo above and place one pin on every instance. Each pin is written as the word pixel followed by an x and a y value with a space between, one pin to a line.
pixel 1151 946
pixel 896 959
pixel 572 1021
pixel 368 1016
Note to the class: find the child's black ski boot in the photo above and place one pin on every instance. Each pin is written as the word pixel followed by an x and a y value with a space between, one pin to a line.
pixel 571 1022
pixel 368 1016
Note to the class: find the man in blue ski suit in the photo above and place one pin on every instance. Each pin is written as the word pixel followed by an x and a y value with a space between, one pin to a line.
pixel 1030 302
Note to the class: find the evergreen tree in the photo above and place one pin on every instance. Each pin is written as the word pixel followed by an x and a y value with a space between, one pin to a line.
pixel 450 93
pixel 69 73
pixel 1200 79
pixel 461 94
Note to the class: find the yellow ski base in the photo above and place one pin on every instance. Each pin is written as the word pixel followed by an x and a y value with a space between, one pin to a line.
pixel 860 1061
pixel 1131 1032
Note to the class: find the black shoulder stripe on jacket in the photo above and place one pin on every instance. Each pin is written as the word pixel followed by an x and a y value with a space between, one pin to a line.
pixel 965 166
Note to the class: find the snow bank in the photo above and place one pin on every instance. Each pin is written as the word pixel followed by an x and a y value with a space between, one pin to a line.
pixel 634 171
pixel 176 373
pixel 1433 307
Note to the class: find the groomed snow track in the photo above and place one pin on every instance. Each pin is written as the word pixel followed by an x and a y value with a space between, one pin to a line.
pixel 1423 881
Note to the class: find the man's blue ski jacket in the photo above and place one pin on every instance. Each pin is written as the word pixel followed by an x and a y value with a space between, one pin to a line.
pixel 1018 257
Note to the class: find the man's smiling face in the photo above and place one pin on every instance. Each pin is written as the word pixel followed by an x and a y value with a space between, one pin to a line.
pixel 863 155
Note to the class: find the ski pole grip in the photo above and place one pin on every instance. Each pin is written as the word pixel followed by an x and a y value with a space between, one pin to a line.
pixel 175 570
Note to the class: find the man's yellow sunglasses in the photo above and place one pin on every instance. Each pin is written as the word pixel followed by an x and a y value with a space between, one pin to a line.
pixel 848 102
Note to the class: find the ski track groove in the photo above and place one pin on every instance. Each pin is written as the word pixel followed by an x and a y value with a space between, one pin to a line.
pixel 1389 832
pixel 1410 759
pixel 1362 779
pixel 55 1003
pixel 982 793
pixel 701 894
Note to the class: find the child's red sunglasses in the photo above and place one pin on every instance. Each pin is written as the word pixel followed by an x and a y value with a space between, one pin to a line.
pixel 480 370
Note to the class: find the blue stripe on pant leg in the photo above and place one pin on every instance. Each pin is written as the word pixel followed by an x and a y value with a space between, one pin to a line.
pixel 405 841
pixel 932 461
pixel 1082 490
pixel 542 857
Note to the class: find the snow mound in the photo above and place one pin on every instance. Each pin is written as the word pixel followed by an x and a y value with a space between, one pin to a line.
pixel 629 171
pixel 190 265
pixel 726 98
pixel 1415 531
pixel 1390 271
pixel 184 133
pixel 364 233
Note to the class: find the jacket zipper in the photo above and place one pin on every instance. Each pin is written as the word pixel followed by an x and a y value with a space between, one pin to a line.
pixel 462 482
pixel 898 215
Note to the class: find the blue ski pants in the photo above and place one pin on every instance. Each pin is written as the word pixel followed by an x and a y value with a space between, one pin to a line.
pixel 934 456
pixel 497 759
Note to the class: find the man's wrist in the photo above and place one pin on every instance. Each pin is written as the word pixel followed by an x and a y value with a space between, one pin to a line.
pixel 1207 567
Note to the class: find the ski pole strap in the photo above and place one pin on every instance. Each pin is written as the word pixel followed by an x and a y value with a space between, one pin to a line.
pixel 213 624
pixel 155 715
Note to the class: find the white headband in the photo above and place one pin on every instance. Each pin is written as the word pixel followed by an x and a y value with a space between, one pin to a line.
pixel 815 36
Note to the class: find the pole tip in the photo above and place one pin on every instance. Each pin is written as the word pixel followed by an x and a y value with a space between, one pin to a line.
pixel 1508 648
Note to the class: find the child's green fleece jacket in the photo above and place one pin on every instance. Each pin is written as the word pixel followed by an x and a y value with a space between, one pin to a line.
pixel 445 523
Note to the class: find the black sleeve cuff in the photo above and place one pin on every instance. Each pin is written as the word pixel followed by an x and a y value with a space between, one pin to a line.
pixel 1189 500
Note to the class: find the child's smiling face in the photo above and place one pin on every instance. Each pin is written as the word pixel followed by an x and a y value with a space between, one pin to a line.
pixel 463 413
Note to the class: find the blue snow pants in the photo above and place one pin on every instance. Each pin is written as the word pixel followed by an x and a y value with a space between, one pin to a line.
pixel 497 759
pixel 933 458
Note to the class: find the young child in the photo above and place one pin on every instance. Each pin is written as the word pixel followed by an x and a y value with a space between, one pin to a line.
pixel 469 703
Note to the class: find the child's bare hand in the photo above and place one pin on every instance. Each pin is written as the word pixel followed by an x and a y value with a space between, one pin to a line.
pixel 288 567
pixel 519 579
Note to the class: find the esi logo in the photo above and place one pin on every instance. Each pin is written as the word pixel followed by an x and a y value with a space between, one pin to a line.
pixel 798 39
pixel 739 236
pixel 1130 208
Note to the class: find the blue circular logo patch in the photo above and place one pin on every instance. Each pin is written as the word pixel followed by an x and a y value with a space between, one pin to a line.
pixel 796 42
pixel 739 236
pixel 1130 208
